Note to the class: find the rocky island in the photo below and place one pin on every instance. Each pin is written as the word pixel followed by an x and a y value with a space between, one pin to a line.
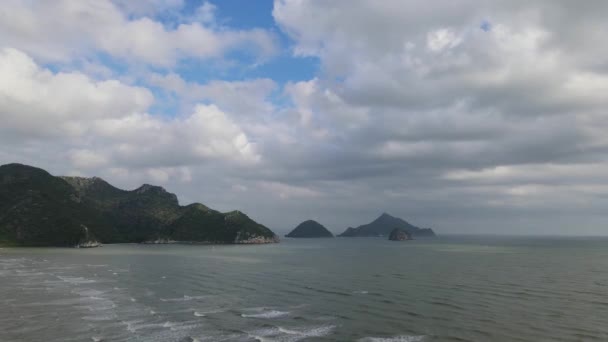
pixel 384 225
pixel 399 234
pixel 310 229
pixel 38 209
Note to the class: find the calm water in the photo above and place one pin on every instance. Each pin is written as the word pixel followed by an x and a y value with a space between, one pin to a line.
pixel 363 289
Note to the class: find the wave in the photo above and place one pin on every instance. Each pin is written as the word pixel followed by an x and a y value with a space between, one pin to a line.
pixel 76 280
pixel 360 292
pixel 267 314
pixel 134 326
pixel 290 335
pixel 402 338
pixel 208 312
pixel 182 299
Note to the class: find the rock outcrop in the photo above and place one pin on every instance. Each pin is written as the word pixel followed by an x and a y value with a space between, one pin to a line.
pixel 399 234
pixel 87 240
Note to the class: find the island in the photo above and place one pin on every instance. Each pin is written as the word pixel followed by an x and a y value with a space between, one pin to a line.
pixel 38 209
pixel 310 229
pixel 384 225
pixel 399 234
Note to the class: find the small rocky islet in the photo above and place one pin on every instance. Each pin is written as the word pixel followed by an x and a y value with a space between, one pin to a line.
pixel 310 229
pixel 384 225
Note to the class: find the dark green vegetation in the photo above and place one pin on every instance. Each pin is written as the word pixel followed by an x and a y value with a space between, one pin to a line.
pixel 38 209
pixel 310 229
pixel 383 225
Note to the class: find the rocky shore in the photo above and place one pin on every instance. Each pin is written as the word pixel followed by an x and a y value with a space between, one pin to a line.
pixel 255 240
pixel 88 244
pixel 399 235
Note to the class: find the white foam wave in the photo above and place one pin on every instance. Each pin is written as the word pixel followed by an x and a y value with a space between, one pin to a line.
pixel 205 313
pixel 267 314
pixel 402 338
pixel 76 280
pixel 360 292
pixel 140 324
pixel 182 299
pixel 290 335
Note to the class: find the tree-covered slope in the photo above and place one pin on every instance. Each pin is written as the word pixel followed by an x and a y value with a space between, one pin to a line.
pixel 39 209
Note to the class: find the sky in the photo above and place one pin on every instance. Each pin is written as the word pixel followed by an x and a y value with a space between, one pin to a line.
pixel 464 116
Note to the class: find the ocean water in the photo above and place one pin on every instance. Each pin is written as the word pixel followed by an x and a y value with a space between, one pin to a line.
pixel 343 289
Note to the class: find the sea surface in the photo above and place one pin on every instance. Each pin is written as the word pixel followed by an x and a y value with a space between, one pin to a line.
pixel 342 289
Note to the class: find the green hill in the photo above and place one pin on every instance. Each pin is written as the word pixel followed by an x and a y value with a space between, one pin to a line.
pixel 38 209
pixel 310 229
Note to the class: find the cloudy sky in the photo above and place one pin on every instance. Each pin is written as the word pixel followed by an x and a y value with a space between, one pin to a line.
pixel 465 116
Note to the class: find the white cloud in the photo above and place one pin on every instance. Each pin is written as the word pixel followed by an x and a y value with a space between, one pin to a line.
pixel 35 102
pixel 70 30
pixel 87 159
pixel 442 39
pixel 246 99
pixel 106 122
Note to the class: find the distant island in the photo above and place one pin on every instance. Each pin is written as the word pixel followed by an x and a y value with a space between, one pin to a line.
pixel 38 209
pixel 383 225
pixel 310 229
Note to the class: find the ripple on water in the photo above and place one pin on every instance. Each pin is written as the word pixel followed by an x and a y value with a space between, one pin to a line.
pixel 402 338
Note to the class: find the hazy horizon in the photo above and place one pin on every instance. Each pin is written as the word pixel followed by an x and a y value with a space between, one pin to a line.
pixel 466 117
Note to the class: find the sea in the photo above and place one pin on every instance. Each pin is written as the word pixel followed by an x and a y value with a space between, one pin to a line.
pixel 455 288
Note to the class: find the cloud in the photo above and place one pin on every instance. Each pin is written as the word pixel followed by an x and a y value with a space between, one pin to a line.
pixel 37 103
pixel 106 123
pixel 63 31
pixel 248 99
pixel 442 97
pixel 467 116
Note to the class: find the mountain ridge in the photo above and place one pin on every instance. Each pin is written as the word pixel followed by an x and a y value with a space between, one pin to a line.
pixel 39 209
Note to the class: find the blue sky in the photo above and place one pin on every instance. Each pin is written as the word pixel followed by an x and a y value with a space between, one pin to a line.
pixel 238 14
pixel 282 67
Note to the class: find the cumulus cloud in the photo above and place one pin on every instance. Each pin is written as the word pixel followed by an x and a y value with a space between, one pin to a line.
pixel 71 30
pixel 451 90
pixel 106 123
